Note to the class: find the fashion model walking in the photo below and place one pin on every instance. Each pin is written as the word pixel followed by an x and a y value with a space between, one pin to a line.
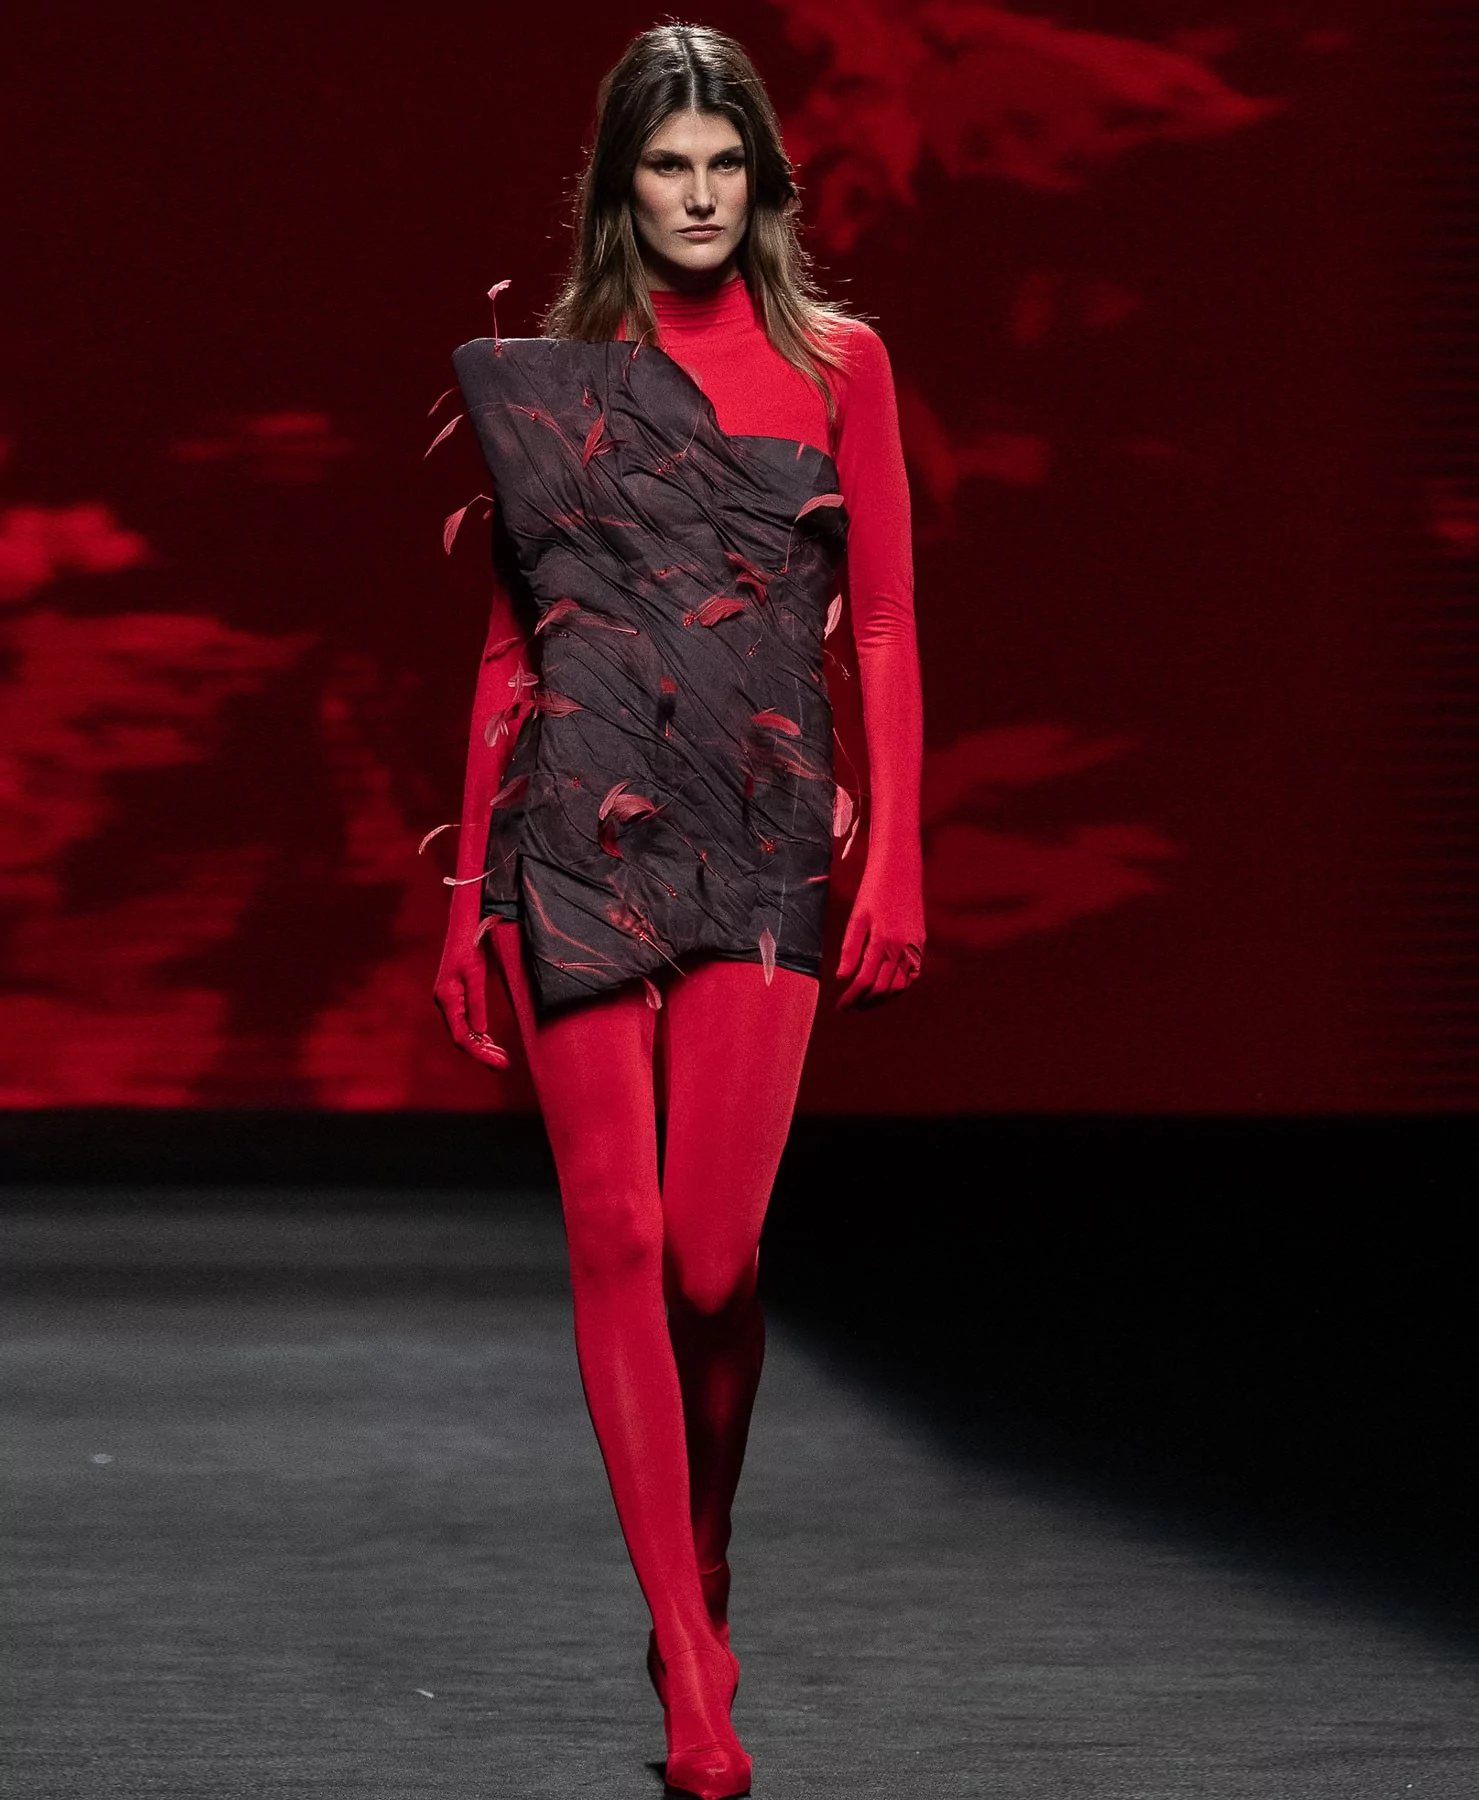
pixel 690 466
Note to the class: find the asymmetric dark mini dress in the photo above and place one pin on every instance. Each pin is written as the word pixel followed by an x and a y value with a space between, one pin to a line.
pixel 671 789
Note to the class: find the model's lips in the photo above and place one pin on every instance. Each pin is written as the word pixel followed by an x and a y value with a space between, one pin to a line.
pixel 701 231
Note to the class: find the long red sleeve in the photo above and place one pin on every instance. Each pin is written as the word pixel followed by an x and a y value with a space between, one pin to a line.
pixel 880 587
pixel 504 653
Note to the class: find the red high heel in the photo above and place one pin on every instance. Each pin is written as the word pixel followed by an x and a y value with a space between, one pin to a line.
pixel 719 1767
pixel 715 1584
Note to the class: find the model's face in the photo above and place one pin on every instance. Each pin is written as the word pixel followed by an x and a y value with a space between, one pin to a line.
pixel 691 200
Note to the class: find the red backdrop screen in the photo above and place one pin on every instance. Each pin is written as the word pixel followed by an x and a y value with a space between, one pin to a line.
pixel 1128 263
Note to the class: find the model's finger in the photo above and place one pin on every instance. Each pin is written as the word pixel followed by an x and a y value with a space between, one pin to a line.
pixel 867 974
pixel 477 1044
pixel 883 981
pixel 854 943
pixel 452 1004
pixel 453 1008
pixel 482 1048
pixel 476 988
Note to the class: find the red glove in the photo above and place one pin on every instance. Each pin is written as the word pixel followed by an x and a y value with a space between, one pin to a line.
pixel 499 708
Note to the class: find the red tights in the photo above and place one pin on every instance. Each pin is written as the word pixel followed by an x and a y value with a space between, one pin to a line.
pixel 668 1328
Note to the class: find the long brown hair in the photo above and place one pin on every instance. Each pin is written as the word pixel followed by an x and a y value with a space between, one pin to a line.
pixel 678 68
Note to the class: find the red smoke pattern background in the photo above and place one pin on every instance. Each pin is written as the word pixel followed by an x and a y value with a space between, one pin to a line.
pixel 1111 253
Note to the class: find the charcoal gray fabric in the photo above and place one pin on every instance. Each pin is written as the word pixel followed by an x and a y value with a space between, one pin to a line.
pixel 671 790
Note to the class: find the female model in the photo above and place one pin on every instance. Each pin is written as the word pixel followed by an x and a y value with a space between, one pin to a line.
pixel 679 464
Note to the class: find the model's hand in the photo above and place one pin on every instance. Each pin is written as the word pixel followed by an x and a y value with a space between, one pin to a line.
pixel 461 992
pixel 883 946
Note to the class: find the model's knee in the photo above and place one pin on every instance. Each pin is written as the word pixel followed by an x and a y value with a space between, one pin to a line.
pixel 613 1233
pixel 713 1291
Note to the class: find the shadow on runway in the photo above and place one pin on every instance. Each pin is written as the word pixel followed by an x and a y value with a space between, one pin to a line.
pixel 1259 1333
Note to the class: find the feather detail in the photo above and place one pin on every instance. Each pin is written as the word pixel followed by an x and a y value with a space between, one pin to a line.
pixel 498 725
pixel 606 805
pixel 501 648
pixel 715 608
pixel 654 993
pixel 774 721
pixel 667 704
pixel 842 811
pixel 619 809
pixel 857 820
pixel 767 955
pixel 626 806
pixel 510 793
pixel 625 917
pixel 819 500
pixel 555 706
pixel 431 410
pixel 593 446
pixel 485 925
pixel 747 575
pixel 452 524
pixel 552 614
pixel 744 565
pixel 834 616
pixel 435 832
pixel 493 293
pixel 521 679
pixel 538 417
pixel 445 432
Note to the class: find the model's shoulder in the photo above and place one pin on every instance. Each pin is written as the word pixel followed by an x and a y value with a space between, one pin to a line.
pixel 854 337
pixel 844 330
pixel 860 348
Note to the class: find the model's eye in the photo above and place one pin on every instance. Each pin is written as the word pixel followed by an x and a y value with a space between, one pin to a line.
pixel 669 165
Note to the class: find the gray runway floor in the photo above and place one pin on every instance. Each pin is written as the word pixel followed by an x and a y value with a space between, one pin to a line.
pixel 309 1504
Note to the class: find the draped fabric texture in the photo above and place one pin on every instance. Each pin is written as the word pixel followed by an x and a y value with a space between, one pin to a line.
pixel 671 788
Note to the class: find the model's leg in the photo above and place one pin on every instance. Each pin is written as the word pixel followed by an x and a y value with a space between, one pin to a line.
pixel 592 1069
pixel 735 1051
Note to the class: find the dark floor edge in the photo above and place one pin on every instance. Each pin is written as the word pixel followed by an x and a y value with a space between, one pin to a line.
pixel 495 1150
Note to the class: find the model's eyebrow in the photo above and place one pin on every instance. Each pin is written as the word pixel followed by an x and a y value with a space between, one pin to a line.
pixel 677 156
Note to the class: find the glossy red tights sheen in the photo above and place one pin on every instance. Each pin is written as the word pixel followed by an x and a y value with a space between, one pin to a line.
pixel 670 1386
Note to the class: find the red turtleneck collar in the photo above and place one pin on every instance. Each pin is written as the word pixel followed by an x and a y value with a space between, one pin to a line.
pixel 725 308
pixel 719 339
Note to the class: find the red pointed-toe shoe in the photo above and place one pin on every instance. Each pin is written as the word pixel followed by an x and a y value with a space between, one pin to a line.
pixel 705 1758
pixel 714 1772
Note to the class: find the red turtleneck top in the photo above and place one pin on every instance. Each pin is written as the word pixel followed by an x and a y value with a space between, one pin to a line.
pixel 719 340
